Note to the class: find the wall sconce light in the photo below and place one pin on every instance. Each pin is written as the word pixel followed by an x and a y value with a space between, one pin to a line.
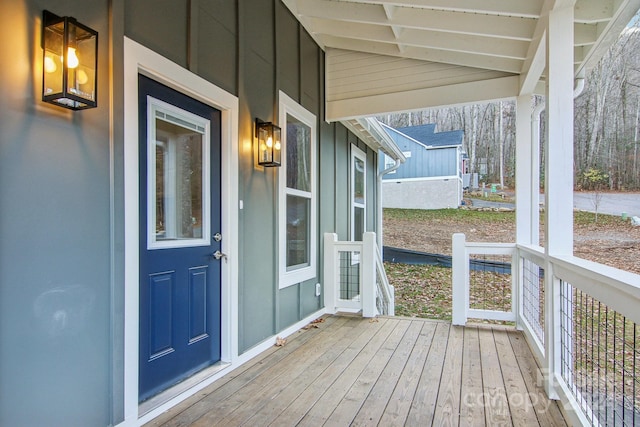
pixel 268 136
pixel 70 60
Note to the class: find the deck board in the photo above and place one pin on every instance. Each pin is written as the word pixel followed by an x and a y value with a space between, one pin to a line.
pixel 387 372
pixel 471 398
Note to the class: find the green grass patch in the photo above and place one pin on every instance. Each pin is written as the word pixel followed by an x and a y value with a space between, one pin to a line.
pixel 491 217
pixel 462 215
pixel 587 218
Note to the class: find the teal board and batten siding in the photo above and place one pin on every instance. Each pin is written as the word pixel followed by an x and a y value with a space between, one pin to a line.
pixel 56 247
pixel 235 46
pixel 62 193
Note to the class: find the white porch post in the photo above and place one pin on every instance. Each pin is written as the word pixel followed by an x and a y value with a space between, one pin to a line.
pixel 330 272
pixel 527 166
pixel 459 280
pixel 558 172
pixel 368 266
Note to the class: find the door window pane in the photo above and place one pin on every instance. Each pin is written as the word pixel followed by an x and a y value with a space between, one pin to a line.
pixel 298 216
pixel 178 182
pixel 298 155
pixel 177 178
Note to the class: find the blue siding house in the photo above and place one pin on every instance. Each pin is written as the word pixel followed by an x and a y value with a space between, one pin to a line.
pixel 431 177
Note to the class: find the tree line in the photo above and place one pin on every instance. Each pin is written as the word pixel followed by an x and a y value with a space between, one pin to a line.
pixel 606 125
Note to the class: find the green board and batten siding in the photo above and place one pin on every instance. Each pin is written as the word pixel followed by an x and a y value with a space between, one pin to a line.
pixel 234 45
pixel 62 193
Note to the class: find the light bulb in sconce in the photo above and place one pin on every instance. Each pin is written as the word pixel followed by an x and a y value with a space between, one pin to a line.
pixel 49 64
pixel 277 147
pixel 81 77
pixel 72 58
pixel 269 142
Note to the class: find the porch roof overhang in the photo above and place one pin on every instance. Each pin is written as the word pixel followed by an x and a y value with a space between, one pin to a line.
pixel 372 133
pixel 386 56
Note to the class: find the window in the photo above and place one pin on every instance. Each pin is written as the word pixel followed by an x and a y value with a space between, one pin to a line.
pixel 389 162
pixel 177 177
pixel 358 193
pixel 297 196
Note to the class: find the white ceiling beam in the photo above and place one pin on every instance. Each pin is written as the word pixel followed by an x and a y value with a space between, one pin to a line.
pixel 608 32
pixel 463 93
pixel 425 39
pixel 397 31
pixel 437 20
pixel 389 10
pixel 535 67
pixel 593 11
pixel 292 5
pixel 508 65
pixel 536 61
pixel 522 9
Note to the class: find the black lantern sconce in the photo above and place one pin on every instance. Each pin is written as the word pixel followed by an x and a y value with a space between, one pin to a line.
pixel 268 140
pixel 70 60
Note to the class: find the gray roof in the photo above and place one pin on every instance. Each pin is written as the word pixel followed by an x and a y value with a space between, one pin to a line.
pixel 427 135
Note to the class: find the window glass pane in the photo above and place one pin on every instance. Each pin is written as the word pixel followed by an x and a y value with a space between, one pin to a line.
pixel 358 181
pixel 298 155
pixel 298 219
pixel 178 189
pixel 358 223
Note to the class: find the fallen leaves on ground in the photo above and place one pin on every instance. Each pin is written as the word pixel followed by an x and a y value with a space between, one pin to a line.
pixel 425 291
pixel 280 342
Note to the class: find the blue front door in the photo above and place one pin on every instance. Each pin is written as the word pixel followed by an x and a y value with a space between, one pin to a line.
pixel 179 225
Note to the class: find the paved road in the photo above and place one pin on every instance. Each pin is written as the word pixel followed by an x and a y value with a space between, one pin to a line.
pixel 610 203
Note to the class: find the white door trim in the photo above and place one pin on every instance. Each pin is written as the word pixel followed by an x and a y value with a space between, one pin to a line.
pixel 141 60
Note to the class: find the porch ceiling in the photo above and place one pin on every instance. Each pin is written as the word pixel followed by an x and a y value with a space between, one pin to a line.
pixel 398 55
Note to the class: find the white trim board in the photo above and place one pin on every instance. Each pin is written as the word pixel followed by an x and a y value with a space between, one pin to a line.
pixel 428 178
pixel 141 60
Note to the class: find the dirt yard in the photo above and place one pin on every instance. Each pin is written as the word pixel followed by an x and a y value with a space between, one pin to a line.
pixel 425 291
pixel 610 241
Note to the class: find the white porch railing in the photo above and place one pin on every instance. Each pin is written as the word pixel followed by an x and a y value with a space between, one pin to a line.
pixel 581 321
pixel 355 280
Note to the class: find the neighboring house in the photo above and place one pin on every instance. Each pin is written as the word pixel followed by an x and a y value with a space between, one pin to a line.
pixel 431 177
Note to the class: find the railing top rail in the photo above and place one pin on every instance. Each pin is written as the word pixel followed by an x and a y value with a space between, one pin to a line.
pixel 533 253
pixel 485 248
pixel 489 245
pixel 617 289
pixel 348 246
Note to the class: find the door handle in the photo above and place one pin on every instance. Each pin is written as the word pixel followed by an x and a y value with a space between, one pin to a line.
pixel 218 255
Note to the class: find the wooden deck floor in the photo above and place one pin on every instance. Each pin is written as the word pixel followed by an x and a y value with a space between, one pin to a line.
pixel 387 372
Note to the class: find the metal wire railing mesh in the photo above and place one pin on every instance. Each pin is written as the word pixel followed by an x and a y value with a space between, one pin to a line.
pixel 600 358
pixel 490 282
pixel 533 296
pixel 349 274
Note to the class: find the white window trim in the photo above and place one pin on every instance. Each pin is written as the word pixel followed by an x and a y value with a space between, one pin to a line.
pixel 288 278
pixel 357 153
pixel 141 60
pixel 154 105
